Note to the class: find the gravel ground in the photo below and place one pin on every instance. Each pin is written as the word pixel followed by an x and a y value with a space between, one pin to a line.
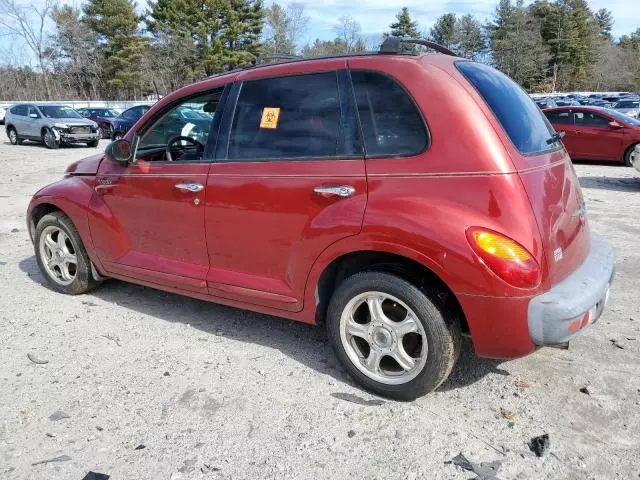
pixel 215 392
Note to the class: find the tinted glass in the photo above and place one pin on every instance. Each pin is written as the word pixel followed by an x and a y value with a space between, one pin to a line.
pixel 627 104
pixel 559 117
pixel 287 117
pixel 391 122
pixel 182 121
pixel 58 111
pixel 135 113
pixel 590 119
pixel 31 110
pixel 624 118
pixel 524 123
pixel 19 110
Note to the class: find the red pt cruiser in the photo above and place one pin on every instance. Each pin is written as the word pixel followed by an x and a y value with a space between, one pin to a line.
pixel 398 199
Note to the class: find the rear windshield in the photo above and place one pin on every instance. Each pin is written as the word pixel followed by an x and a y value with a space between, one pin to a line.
pixel 523 121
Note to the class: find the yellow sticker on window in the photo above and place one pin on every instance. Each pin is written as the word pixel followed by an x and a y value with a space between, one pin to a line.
pixel 270 117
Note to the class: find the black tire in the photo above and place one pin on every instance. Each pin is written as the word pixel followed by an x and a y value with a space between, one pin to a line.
pixel 14 139
pixel 627 155
pixel 83 281
pixel 49 139
pixel 93 143
pixel 442 332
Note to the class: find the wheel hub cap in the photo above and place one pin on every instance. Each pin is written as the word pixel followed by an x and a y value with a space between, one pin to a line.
pixel 382 337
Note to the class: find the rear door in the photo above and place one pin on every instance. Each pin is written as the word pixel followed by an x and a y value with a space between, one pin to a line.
pixel 289 182
pixel 596 139
pixel 545 170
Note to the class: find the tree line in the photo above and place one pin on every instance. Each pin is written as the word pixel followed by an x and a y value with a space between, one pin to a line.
pixel 104 49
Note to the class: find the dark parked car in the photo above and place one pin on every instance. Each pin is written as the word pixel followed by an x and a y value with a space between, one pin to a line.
pixel 123 122
pixel 593 133
pixel 102 116
pixel 567 102
pixel 546 103
pixel 397 199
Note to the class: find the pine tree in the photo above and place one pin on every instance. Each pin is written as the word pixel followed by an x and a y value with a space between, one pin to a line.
pixel 116 23
pixel 404 26
pixel 468 37
pixel 443 31
pixel 604 19
pixel 517 46
pixel 225 32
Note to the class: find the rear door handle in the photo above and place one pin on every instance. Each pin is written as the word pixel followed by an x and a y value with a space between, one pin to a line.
pixel 190 187
pixel 342 191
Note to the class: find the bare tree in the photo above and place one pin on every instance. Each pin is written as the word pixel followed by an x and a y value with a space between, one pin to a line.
pixel 298 23
pixel 348 31
pixel 284 27
pixel 28 23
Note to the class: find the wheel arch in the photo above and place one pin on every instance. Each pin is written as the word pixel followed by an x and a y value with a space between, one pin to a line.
pixel 380 260
pixel 39 211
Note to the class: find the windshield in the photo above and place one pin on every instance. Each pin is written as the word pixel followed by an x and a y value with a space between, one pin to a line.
pixel 58 111
pixel 623 117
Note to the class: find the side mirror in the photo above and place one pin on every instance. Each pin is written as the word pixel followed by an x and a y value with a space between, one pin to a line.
pixel 615 125
pixel 120 151
pixel 33 115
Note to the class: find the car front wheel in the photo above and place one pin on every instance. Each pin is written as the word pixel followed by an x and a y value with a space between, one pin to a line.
pixel 61 255
pixel 629 155
pixel 13 136
pixel 391 337
pixel 49 139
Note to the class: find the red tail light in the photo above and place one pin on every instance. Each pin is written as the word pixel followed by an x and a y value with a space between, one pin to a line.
pixel 506 258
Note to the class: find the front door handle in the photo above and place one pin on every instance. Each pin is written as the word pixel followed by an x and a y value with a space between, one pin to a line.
pixel 190 187
pixel 342 191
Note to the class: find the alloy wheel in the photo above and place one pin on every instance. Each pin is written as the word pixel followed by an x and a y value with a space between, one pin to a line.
pixel 58 255
pixel 13 136
pixel 383 338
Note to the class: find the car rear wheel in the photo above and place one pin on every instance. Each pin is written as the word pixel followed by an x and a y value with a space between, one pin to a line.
pixel 13 136
pixel 628 155
pixel 61 255
pixel 49 139
pixel 391 337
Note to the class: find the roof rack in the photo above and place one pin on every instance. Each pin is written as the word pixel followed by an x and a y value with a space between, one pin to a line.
pixel 259 60
pixel 393 45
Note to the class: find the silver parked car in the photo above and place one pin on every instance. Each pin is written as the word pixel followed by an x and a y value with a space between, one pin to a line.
pixel 628 107
pixel 53 125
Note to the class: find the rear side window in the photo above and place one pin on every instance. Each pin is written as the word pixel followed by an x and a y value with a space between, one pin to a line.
pixel 559 117
pixel 19 110
pixel 391 122
pixel 590 119
pixel 291 117
pixel 521 119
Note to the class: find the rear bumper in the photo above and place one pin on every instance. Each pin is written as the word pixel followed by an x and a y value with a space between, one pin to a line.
pixel 559 314
pixel 511 327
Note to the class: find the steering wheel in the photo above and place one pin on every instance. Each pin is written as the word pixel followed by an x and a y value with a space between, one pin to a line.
pixel 193 141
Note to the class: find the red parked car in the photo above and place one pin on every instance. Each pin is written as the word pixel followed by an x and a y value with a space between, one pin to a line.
pixel 399 199
pixel 595 133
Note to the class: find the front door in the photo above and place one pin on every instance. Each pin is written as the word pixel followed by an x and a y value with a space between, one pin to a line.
pixel 596 139
pixel 151 222
pixel 289 182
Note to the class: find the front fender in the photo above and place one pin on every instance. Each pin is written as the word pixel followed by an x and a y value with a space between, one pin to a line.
pixel 72 195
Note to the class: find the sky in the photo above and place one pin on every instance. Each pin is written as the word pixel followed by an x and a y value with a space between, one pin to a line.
pixel 375 16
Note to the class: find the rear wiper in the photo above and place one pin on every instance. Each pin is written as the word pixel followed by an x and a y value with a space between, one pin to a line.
pixel 555 137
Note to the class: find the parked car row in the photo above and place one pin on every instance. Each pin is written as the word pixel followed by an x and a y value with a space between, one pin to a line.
pixel 628 104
